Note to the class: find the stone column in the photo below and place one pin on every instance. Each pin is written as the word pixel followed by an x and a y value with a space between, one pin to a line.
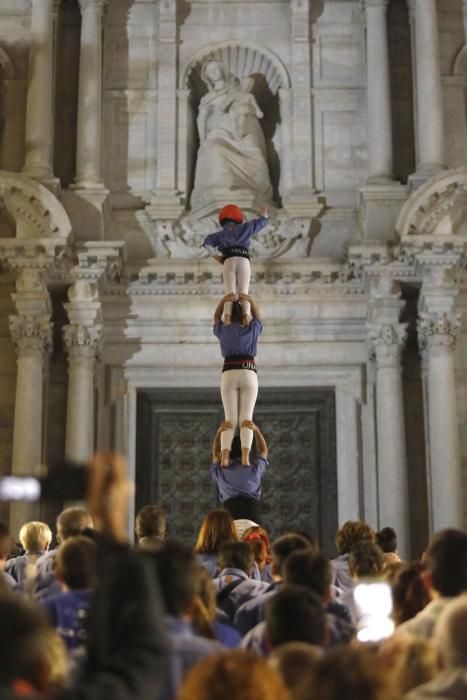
pixel 429 95
pixel 31 332
pixel 378 93
pixel 438 332
pixel 81 339
pixel 386 342
pixel 88 150
pixel 386 337
pixel 39 110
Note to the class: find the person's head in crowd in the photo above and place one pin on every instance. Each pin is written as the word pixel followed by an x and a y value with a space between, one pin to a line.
pixel 307 534
pixel 204 609
pixel 386 539
pixel 412 661
pixel 365 560
pixel 450 635
pixel 350 533
pixel 352 673
pixel 282 548
pixel 176 568
pixel 76 563
pixel 24 656
pixel 258 539
pixel 236 675
pixel 446 562
pixel 311 570
pixel 73 521
pixel 295 614
pixel 35 537
pixel 236 555
pixel 297 662
pixel 217 528
pixel 150 525
pixel 6 544
pixel 409 592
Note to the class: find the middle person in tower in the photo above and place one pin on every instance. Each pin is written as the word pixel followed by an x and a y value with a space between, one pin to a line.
pixel 239 383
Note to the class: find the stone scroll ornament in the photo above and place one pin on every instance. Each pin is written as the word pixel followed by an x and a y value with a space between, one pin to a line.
pixel 232 153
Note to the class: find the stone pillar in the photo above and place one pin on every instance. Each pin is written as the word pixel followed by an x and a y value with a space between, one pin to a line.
pixel 31 332
pixel 39 110
pixel 378 93
pixel 88 154
pixel 81 339
pixel 429 95
pixel 438 333
pixel 386 338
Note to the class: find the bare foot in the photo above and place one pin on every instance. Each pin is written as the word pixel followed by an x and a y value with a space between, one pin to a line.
pixel 227 320
pixel 245 456
pixel 225 458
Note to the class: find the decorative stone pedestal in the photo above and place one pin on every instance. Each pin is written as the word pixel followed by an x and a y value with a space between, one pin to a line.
pixel 379 208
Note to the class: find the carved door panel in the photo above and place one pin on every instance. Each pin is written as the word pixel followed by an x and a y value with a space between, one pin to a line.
pixel 174 436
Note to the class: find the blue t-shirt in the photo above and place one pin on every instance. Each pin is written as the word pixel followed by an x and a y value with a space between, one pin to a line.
pixel 236 339
pixel 68 613
pixel 232 235
pixel 239 480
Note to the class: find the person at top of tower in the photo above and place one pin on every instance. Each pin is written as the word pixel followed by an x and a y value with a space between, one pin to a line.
pixel 232 244
pixel 239 485
pixel 239 383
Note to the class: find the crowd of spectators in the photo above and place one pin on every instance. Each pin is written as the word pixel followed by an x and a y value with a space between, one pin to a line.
pixel 232 617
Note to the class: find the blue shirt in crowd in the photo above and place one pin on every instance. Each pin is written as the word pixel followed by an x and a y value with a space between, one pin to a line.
pixel 236 339
pixel 68 613
pixel 239 480
pixel 232 235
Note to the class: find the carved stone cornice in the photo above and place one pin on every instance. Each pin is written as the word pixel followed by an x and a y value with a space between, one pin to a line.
pixel 31 334
pixel 385 342
pixel 438 331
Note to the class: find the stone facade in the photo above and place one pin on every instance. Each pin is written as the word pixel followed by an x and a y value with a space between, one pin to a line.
pixel 104 286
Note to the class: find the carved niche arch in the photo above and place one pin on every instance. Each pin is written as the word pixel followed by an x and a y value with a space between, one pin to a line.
pixel 437 209
pixel 241 59
pixel 28 210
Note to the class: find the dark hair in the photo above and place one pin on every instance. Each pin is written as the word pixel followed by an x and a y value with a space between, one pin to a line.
pixel 366 559
pixel 236 555
pixel 150 522
pixel 22 633
pixel 352 673
pixel 295 614
pixel 176 567
pixel 310 570
pixel 6 542
pixel 386 539
pixel 223 222
pixel 446 559
pixel 236 448
pixel 409 592
pixel 77 562
pixel 236 315
pixel 72 521
pixel 283 547
pixel 350 533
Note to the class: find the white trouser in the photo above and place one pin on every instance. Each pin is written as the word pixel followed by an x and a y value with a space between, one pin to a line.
pixel 237 272
pixel 239 389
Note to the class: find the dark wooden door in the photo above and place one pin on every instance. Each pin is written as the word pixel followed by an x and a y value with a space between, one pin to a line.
pixel 175 429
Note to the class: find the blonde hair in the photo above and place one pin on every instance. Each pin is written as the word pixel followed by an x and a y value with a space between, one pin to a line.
pixel 57 658
pixel 35 536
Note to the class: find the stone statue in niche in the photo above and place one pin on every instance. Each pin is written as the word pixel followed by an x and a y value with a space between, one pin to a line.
pixel 232 153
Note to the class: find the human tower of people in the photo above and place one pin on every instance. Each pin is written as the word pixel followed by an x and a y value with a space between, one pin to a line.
pixel 237 325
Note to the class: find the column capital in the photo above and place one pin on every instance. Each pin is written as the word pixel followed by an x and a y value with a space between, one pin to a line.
pixel 31 334
pixel 364 4
pixel 385 341
pixel 438 331
pixel 82 340
pixel 97 6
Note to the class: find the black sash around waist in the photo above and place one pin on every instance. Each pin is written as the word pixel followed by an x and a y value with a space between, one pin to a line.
pixel 239 362
pixel 236 251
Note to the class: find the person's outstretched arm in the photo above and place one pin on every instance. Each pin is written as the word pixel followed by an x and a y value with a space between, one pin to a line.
pixel 253 305
pixel 220 307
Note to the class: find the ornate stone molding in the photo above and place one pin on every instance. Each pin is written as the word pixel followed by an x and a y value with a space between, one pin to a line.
pixel 438 330
pixel 98 6
pixel 385 342
pixel 78 335
pixel 31 334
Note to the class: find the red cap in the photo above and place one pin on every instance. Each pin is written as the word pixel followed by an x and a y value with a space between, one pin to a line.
pixel 231 211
